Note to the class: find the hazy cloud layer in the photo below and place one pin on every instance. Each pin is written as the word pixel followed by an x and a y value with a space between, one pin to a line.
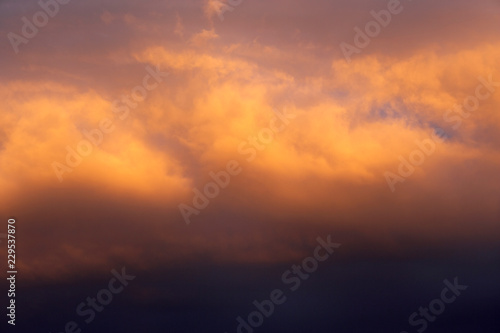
pixel 323 173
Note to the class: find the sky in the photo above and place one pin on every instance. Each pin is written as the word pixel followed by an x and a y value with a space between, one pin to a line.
pixel 205 146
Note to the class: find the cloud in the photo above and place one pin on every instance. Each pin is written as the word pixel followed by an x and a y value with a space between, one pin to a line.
pixel 179 27
pixel 203 37
pixel 214 7
pixel 323 174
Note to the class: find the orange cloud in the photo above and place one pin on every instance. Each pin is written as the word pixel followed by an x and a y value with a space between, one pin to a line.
pixel 323 172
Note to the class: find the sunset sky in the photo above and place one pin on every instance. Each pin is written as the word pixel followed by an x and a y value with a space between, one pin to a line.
pixel 320 141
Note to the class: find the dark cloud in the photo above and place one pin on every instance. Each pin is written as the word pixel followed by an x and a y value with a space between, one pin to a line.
pixel 322 174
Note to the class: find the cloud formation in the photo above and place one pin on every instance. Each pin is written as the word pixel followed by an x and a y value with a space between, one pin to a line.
pixel 324 172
